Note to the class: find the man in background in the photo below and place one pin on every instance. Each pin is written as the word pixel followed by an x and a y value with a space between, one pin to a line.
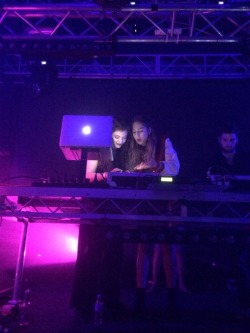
pixel 229 160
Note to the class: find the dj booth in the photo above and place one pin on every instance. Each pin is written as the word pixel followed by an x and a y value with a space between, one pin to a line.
pixel 159 213
pixel 153 204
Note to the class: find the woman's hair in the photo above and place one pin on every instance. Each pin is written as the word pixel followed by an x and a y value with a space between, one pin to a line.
pixel 119 125
pixel 105 164
pixel 137 153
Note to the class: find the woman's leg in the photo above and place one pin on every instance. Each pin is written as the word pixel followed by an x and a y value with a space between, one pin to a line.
pixel 156 263
pixel 170 274
pixel 180 268
pixel 142 270
pixel 169 265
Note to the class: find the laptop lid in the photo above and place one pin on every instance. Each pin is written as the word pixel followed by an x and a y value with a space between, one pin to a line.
pixel 92 133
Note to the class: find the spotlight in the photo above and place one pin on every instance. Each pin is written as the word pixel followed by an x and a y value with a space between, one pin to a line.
pixel 42 75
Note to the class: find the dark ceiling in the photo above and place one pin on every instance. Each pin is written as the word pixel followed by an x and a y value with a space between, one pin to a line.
pixel 115 39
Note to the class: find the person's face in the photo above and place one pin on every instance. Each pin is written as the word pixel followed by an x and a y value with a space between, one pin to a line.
pixel 140 133
pixel 228 142
pixel 119 138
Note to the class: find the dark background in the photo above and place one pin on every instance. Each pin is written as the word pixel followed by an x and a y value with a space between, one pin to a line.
pixel 189 111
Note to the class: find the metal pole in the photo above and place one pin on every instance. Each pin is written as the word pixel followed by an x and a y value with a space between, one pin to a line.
pixel 20 262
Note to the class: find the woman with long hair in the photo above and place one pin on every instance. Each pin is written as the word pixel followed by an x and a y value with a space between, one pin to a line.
pixel 141 156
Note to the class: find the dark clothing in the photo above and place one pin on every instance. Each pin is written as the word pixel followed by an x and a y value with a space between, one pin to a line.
pixel 99 261
pixel 240 260
pixel 98 268
pixel 240 165
pixel 107 165
pixel 118 155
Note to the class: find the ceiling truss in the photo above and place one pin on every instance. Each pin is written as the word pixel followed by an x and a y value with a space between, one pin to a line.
pixel 167 41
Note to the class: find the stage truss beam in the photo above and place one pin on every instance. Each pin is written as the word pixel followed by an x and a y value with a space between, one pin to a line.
pixel 85 40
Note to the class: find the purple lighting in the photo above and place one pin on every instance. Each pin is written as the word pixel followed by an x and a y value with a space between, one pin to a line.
pixel 51 244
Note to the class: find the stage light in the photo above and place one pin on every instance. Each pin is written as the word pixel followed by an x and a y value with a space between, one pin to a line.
pixel 135 28
pixel 51 244
pixel 72 244
pixel 42 76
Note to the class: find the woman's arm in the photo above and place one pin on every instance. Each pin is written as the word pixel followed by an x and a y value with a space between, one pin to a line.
pixel 171 163
pixel 91 171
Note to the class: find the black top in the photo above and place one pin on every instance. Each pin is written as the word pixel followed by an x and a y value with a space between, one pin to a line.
pixel 107 165
pixel 240 165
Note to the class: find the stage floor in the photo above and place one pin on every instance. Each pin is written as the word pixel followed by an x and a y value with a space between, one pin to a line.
pixel 203 310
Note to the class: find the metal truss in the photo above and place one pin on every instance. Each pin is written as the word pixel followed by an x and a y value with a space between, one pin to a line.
pixel 138 66
pixel 116 206
pixel 177 214
pixel 148 40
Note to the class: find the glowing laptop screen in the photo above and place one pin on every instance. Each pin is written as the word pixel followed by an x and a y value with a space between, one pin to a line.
pixel 85 132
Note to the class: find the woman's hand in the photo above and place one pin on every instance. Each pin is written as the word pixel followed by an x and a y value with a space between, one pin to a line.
pixel 141 166
pixel 144 166
pixel 150 167
pixel 116 170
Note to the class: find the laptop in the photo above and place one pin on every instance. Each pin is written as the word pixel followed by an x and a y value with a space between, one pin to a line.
pixel 85 133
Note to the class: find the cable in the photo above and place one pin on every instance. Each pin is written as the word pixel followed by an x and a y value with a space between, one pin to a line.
pixel 17 177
